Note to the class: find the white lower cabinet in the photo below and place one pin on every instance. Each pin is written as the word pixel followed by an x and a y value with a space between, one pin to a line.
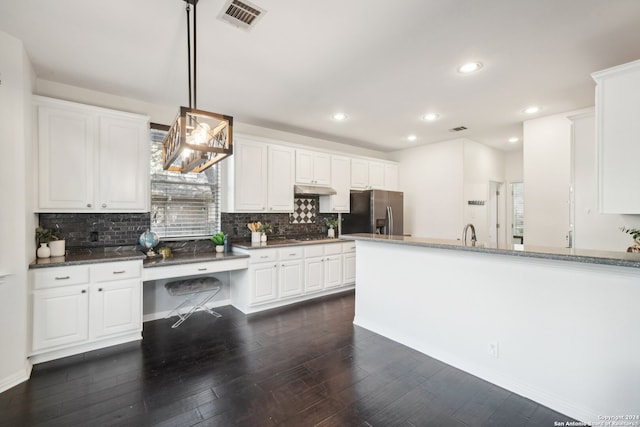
pixel 289 274
pixel 81 308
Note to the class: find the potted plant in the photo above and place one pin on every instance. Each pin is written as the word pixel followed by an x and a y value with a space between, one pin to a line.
pixel 635 234
pixel 218 240
pixel 332 224
pixel 43 237
pixel 264 228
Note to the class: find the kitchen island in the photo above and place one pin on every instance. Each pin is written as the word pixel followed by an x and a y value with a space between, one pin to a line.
pixel 559 326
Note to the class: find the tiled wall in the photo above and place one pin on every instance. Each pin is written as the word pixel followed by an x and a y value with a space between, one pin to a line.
pixel 94 230
pixel 235 225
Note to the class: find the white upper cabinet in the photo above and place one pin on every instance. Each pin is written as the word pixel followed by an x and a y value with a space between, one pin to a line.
pixel 259 177
pixel 340 181
pixel 281 165
pixel 370 174
pixel 250 176
pixel 91 159
pixel 359 173
pixel 618 130
pixel 313 167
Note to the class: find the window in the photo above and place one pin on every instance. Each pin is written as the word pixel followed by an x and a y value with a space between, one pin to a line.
pixel 182 205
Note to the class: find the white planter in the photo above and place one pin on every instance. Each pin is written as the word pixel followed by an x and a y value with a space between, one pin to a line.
pixel 255 237
pixel 219 249
pixel 263 238
pixel 331 233
pixel 57 247
pixel 43 251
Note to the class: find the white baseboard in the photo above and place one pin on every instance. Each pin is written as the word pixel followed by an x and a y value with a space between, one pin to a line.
pixel 16 378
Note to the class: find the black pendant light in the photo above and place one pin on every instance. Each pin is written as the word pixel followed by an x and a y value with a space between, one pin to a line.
pixel 197 139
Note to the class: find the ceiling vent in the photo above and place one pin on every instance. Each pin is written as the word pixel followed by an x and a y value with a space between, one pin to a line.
pixel 458 129
pixel 241 14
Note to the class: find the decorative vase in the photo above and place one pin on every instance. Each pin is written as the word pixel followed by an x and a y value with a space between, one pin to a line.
pixel 43 251
pixel 263 237
pixel 219 248
pixel 255 237
pixel 57 247
pixel 331 233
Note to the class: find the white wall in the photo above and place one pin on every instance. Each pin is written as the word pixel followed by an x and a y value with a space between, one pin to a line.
pixel 438 180
pixel 165 114
pixel 547 179
pixel 432 179
pixel 593 230
pixel 17 223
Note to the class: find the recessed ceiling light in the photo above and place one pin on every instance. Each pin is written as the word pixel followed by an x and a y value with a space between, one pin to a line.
pixel 430 117
pixel 469 67
pixel 514 140
pixel 412 138
pixel 339 117
pixel 531 110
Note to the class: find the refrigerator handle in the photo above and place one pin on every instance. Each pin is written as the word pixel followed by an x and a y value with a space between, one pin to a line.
pixel 390 219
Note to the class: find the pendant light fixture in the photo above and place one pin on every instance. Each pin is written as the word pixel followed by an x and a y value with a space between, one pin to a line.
pixel 197 139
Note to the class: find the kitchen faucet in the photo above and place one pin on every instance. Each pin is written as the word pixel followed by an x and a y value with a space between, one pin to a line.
pixel 473 235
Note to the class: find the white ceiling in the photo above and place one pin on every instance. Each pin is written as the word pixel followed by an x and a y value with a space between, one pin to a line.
pixel 384 63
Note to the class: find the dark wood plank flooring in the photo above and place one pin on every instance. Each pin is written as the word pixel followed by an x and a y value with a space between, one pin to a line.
pixel 305 365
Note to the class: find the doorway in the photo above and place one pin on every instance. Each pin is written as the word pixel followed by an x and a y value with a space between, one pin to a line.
pixel 497 236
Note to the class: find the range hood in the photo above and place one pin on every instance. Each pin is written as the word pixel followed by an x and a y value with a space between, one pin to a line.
pixel 314 190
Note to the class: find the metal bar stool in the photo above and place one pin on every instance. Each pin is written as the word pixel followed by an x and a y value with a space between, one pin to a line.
pixel 191 290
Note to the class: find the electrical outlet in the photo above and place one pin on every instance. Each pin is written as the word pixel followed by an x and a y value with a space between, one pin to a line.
pixel 493 349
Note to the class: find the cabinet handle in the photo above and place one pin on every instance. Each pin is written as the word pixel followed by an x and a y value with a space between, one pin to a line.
pixel 264 256
pixel 88 205
pixel 84 291
pixel 292 254
pixel 120 272
pixel 275 265
pixel 63 278
pixel 202 269
pixel 104 205
pixel 99 289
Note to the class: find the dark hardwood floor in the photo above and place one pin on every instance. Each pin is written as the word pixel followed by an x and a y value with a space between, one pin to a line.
pixel 306 365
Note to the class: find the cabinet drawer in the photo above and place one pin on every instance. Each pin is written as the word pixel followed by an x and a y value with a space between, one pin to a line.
pixel 313 251
pixel 105 272
pixel 348 247
pixel 333 249
pixel 60 276
pixel 293 252
pixel 264 255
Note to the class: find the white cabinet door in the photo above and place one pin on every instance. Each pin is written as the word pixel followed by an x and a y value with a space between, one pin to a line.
pixel 124 164
pixel 290 278
pixel 391 177
pixel 281 167
pixel 264 284
pixel 60 316
pixel 349 268
pixel 332 271
pixel 65 158
pixel 359 173
pixel 341 182
pixel 618 127
pixel 322 169
pixel 115 307
pixel 313 168
pixel 250 176
pixel 304 167
pixel 376 175
pixel 314 274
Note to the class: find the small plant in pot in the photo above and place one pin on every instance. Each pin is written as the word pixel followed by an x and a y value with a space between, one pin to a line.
pixel 635 234
pixel 218 240
pixel 332 224
pixel 264 228
pixel 44 237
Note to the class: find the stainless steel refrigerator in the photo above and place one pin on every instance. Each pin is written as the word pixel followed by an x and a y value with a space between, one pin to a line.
pixel 374 211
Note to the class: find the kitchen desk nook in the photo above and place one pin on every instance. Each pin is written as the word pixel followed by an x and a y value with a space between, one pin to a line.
pixel 558 326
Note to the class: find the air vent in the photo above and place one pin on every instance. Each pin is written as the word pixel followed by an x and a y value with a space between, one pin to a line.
pixel 458 129
pixel 241 14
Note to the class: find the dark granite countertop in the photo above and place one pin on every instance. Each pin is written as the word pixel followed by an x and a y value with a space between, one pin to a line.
pixel 622 259
pixel 190 258
pixel 87 257
pixel 276 243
